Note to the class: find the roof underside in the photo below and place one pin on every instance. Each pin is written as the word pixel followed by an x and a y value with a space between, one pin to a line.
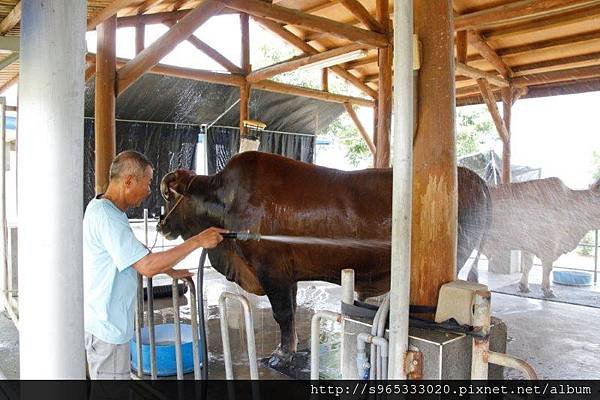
pixel 551 47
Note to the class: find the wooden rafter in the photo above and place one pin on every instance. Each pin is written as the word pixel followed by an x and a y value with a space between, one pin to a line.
pixel 149 19
pixel 277 87
pixel 8 84
pixel 461 47
pixel 558 21
pixel 322 6
pixel 515 11
pixel 294 63
pixel 489 54
pixel 558 76
pixel 11 20
pixel 109 11
pixel 565 62
pixel 360 127
pixel 211 52
pixel 360 62
pixel 245 46
pixel 141 8
pixel 462 69
pixel 571 40
pixel 363 15
pixel 285 15
pixel 310 50
pixel 490 101
pixel 151 55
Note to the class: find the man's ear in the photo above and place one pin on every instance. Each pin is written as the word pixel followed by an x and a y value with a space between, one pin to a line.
pixel 129 180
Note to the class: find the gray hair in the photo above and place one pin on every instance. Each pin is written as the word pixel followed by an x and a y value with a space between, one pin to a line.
pixel 128 162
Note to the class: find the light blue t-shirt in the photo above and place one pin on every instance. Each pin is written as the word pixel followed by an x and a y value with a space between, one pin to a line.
pixel 109 281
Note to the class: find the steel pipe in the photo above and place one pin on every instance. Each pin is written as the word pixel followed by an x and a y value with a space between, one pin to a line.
pixel 314 338
pixel 481 342
pixel 512 362
pixel 177 327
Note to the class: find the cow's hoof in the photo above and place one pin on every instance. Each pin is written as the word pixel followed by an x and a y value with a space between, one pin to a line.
pixel 548 293
pixel 523 288
pixel 279 359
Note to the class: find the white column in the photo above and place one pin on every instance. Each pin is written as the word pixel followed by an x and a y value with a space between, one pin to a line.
pixel 402 181
pixel 50 177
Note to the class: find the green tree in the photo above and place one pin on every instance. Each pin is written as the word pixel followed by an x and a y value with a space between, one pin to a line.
pixel 346 132
pixel 474 128
pixel 596 164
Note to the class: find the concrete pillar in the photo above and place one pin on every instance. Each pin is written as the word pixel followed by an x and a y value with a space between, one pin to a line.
pixel 50 173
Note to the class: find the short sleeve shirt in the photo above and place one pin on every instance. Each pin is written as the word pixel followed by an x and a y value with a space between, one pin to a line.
pixel 110 283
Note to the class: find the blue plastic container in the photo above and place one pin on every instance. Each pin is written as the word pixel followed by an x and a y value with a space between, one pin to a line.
pixel 572 278
pixel 166 364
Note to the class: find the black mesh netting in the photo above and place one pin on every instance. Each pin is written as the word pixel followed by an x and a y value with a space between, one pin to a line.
pixel 223 142
pixel 167 146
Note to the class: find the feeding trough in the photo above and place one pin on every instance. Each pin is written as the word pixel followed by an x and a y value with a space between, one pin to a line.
pixel 572 278
pixel 166 363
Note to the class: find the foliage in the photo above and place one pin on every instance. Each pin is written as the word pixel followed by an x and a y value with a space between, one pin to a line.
pixel 474 128
pixel 588 239
pixel 346 132
pixel 596 164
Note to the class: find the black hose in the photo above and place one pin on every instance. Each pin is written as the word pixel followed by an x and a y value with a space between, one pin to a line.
pixel 200 305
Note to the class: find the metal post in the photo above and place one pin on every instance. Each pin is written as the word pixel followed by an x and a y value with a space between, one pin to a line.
pixel 139 322
pixel 315 328
pixel 481 326
pixel 50 231
pixel 177 328
pixel 4 302
pixel 249 325
pixel 348 286
pixel 595 257
pixel 402 183
pixel 194 316
pixel 150 315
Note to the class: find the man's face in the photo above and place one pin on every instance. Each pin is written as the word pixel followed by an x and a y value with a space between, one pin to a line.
pixel 138 187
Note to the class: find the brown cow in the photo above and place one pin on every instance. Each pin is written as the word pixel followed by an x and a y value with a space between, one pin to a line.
pixel 273 195
pixel 543 218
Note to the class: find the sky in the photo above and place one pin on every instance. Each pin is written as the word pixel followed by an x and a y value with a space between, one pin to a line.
pixel 557 134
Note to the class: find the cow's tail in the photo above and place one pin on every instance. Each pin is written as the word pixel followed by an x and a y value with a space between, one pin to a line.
pixel 473 275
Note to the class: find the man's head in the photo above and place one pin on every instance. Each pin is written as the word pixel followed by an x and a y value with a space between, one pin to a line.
pixel 131 172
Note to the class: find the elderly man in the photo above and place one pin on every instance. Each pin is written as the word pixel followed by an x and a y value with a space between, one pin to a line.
pixel 111 257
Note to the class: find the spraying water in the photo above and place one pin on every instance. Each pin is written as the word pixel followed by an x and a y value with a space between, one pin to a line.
pixel 342 242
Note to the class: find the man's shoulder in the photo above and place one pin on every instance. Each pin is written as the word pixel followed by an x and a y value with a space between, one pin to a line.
pixel 98 210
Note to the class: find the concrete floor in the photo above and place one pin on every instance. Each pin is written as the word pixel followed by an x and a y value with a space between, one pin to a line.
pixel 559 340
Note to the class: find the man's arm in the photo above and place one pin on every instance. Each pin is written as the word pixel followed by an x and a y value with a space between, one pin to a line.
pixel 157 263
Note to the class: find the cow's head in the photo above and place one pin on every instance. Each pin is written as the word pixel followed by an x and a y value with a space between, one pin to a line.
pixel 174 189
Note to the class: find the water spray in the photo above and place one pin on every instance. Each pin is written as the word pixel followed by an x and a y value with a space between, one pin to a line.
pixel 241 236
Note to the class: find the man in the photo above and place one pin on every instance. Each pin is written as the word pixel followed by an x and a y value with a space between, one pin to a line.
pixel 111 257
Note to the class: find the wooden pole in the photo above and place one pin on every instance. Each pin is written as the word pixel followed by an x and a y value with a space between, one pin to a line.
pixel 325 80
pixel 140 36
pixel 507 102
pixel 244 107
pixel 434 217
pixel 105 100
pixel 490 101
pixel 245 27
pixel 384 109
pixel 360 127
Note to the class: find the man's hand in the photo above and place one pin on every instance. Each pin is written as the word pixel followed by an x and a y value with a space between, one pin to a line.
pixel 210 237
pixel 179 273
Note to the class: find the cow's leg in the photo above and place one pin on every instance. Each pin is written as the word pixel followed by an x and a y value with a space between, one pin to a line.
pixel 282 298
pixel 546 289
pixel 527 264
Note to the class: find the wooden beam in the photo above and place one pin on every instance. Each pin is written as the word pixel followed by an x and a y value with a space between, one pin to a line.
pixel 90 71
pixel 244 107
pixel 11 20
pixel 8 84
pixel 462 69
pixel 363 15
pixel 489 54
pixel 588 14
pixel 557 76
pixel 515 11
pixel 325 80
pixel 295 63
pixel 360 62
pixel 245 33
pixel 151 19
pixel 461 47
pixel 151 55
pixel 507 102
pixel 384 100
pixel 490 101
pixel 310 50
pixel 360 127
pixel 277 87
pixel 140 38
pixel 211 52
pixel 261 9
pixel 544 45
pixel 108 12
pixel 322 6
pixel 105 102
pixel 564 63
pixel 434 207
pixel 517 93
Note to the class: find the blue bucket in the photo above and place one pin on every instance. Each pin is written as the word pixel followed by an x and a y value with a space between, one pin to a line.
pixel 572 278
pixel 166 364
